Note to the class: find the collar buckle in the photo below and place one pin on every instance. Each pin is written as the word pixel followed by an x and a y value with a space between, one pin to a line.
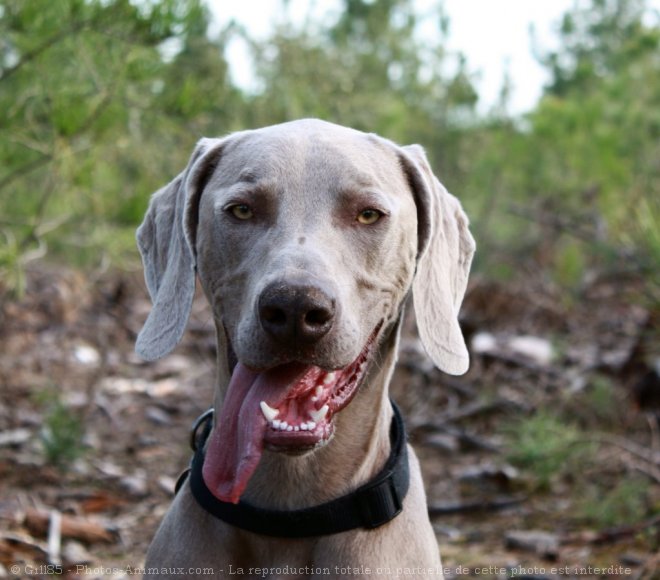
pixel 379 502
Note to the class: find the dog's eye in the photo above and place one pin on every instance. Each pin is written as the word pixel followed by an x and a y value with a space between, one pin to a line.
pixel 241 211
pixel 369 216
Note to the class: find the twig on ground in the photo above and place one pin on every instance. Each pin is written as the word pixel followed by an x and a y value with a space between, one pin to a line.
pixel 476 506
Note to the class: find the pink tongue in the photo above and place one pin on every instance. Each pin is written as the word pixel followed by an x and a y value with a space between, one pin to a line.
pixel 236 443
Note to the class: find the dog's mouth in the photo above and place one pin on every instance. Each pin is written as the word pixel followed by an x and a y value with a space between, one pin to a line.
pixel 287 408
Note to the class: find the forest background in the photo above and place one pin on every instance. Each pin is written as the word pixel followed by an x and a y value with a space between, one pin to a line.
pixel 101 103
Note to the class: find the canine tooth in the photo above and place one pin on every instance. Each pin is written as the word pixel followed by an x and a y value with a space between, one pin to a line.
pixel 268 411
pixel 277 423
pixel 327 379
pixel 320 414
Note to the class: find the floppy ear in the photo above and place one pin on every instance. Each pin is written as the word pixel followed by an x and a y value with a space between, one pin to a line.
pixel 445 250
pixel 166 240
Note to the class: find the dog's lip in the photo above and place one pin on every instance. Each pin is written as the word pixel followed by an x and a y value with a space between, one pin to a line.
pixel 296 442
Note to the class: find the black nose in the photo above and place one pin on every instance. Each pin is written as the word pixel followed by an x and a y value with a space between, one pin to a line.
pixel 296 314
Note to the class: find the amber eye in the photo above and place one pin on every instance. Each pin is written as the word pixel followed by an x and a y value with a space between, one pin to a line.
pixel 241 211
pixel 369 216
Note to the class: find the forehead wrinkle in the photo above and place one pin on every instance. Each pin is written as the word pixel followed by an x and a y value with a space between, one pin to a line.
pixel 337 167
pixel 269 156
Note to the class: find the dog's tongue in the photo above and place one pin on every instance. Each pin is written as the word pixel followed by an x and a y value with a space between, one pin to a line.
pixel 236 443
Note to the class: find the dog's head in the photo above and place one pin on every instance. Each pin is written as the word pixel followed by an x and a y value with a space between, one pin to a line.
pixel 306 238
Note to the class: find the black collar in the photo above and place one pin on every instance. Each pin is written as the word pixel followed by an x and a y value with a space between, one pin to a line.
pixel 371 505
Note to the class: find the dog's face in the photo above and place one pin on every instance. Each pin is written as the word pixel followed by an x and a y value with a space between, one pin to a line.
pixel 306 244
pixel 306 238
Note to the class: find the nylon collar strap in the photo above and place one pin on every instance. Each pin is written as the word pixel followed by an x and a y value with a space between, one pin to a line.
pixel 371 505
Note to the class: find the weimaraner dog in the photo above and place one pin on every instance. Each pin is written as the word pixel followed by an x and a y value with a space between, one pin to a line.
pixel 306 238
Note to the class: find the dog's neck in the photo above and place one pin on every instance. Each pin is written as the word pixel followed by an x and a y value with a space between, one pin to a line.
pixel 357 451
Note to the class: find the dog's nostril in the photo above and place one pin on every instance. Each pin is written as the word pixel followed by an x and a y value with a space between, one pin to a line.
pixel 317 317
pixel 275 316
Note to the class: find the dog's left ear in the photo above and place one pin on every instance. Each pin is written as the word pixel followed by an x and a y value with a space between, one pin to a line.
pixel 445 250
pixel 166 240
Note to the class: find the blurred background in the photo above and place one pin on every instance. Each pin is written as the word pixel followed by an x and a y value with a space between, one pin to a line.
pixel 546 454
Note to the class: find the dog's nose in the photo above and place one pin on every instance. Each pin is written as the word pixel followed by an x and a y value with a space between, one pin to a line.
pixel 296 313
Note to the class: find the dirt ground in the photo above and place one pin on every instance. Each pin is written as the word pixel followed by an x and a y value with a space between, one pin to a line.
pixel 92 439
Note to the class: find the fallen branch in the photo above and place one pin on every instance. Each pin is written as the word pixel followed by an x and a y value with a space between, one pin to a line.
pixel 479 408
pixel 611 535
pixel 39 522
pixel 627 445
pixel 644 468
pixel 468 439
pixel 476 506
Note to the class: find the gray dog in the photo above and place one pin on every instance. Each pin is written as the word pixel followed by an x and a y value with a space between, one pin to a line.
pixel 307 238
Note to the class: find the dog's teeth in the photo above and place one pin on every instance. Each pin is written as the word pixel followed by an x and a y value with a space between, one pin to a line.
pixel 268 411
pixel 296 428
pixel 327 379
pixel 311 425
pixel 320 414
pixel 304 427
pixel 319 390
pixel 289 428
pixel 283 426
pixel 277 423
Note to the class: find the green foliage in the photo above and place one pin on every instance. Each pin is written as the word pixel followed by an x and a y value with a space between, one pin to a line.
pixel 601 400
pixel 368 70
pixel 625 502
pixel 92 120
pixel 569 266
pixel 11 264
pixel 62 432
pixel 584 162
pixel 543 444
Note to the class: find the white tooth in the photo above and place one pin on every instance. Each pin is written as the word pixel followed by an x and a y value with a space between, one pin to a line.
pixel 320 414
pixel 277 423
pixel 319 391
pixel 289 428
pixel 314 399
pixel 327 379
pixel 268 411
pixel 283 426
pixel 311 425
pixel 296 428
pixel 304 427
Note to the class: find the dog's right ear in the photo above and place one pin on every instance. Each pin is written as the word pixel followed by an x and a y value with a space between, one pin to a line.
pixel 166 240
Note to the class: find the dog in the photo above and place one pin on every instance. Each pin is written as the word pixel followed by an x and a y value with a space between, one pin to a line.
pixel 306 238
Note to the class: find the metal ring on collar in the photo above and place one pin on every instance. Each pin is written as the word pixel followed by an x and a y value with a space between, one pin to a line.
pixel 202 422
